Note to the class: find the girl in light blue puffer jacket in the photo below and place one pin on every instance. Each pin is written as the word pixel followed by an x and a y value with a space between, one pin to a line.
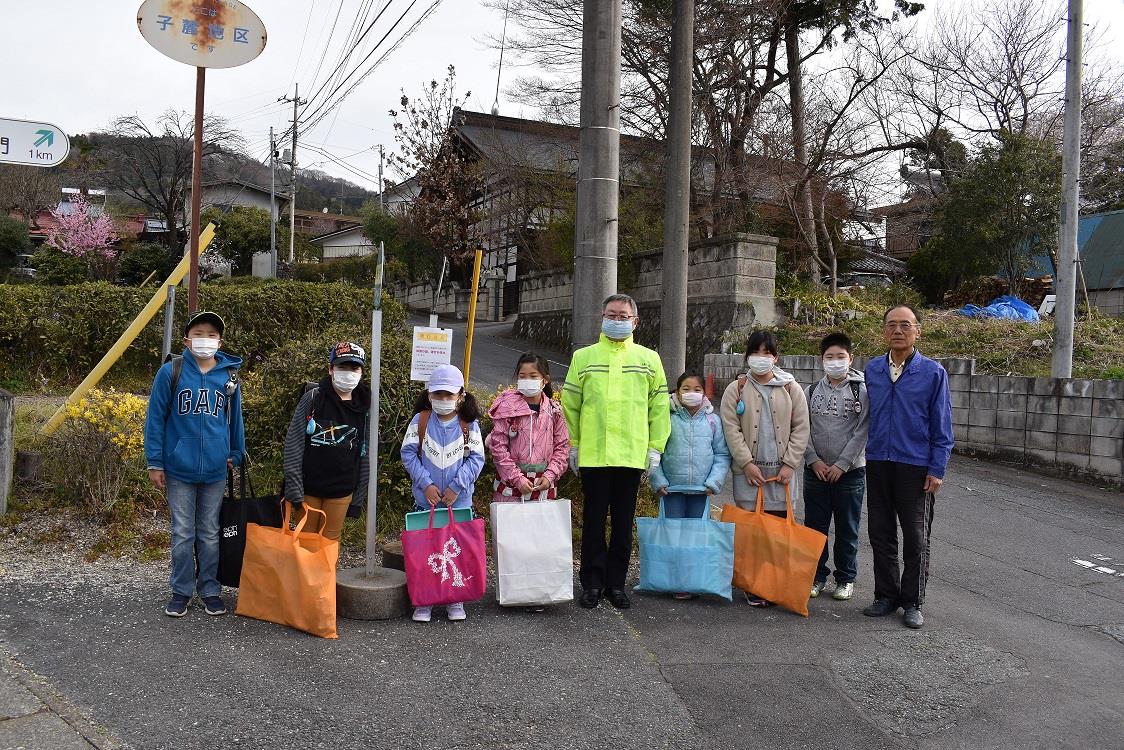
pixel 696 459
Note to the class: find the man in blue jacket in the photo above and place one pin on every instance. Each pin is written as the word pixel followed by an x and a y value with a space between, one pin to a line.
pixel 907 453
pixel 192 435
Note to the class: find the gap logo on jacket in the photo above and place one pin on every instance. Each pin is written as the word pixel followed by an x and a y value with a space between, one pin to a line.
pixel 190 434
pixel 447 458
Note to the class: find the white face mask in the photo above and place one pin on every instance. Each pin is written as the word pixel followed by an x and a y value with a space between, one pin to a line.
pixel 444 408
pixel 759 365
pixel 345 380
pixel 836 368
pixel 204 348
pixel 691 399
pixel 529 387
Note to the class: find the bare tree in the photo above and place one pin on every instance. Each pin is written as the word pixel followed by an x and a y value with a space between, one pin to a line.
pixel 446 211
pixel 28 190
pixel 152 164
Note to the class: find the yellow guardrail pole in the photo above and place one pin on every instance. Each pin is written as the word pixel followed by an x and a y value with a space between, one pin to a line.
pixel 130 334
pixel 472 314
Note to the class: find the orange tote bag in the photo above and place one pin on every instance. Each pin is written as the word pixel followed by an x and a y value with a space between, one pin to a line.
pixel 774 558
pixel 289 577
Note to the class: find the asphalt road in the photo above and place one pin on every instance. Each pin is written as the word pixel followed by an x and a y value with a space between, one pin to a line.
pixel 1023 648
pixel 494 353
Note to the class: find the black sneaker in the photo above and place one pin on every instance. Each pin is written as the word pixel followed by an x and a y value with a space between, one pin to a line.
pixel 214 605
pixel 881 608
pixel 177 607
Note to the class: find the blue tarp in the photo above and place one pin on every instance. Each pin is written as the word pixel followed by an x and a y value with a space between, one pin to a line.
pixel 1004 308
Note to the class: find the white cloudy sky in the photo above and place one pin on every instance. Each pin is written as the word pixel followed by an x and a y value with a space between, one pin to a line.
pixel 80 63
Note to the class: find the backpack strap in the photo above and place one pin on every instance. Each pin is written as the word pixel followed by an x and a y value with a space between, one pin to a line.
pixel 423 424
pixel 177 369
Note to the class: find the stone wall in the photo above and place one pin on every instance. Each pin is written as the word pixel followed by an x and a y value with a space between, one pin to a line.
pixel 730 284
pixel 453 302
pixel 1065 426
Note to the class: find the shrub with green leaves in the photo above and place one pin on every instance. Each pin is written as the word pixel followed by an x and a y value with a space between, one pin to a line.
pixel 59 333
pixel 53 267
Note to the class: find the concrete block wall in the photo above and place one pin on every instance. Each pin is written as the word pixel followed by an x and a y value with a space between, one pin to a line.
pixel 730 284
pixel 1069 427
pixel 453 302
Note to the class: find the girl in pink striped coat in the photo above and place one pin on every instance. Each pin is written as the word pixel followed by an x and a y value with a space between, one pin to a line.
pixel 529 442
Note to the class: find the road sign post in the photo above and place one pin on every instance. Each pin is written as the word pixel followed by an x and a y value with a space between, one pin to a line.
pixel 32 144
pixel 204 34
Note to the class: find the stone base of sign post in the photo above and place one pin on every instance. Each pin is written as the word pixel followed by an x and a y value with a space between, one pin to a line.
pixel 392 556
pixel 381 597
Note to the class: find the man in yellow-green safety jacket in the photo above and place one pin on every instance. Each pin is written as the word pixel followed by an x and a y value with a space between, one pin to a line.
pixel 616 406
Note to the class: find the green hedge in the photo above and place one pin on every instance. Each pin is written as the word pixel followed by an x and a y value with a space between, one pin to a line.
pixel 57 334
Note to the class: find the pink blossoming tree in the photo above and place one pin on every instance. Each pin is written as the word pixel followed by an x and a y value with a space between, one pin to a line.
pixel 85 235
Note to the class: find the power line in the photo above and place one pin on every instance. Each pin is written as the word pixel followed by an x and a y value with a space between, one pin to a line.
pixel 320 112
pixel 343 61
pixel 304 36
pixel 354 170
pixel 327 42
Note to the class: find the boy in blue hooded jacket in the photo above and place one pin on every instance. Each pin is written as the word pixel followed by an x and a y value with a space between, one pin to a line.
pixel 193 435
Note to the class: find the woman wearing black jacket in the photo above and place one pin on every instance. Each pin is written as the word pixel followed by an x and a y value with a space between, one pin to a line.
pixel 326 461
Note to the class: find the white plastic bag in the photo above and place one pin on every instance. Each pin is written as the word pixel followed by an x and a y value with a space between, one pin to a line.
pixel 534 552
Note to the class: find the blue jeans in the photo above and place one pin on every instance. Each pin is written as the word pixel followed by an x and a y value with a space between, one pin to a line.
pixel 680 505
pixel 195 535
pixel 842 500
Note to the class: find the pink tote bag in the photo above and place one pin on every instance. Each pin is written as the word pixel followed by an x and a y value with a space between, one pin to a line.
pixel 445 565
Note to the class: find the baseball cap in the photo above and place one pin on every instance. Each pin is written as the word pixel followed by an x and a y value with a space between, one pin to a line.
pixel 445 378
pixel 204 316
pixel 345 351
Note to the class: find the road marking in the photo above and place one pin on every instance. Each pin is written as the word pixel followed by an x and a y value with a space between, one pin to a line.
pixel 1091 565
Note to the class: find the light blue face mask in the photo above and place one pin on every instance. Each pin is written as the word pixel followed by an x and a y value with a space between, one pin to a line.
pixel 618 330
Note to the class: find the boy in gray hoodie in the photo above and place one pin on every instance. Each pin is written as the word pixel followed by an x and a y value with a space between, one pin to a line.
pixel 835 461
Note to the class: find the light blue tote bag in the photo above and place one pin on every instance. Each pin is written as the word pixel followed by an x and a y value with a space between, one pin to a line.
pixel 690 555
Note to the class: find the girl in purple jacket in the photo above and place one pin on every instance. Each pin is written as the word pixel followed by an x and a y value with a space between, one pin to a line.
pixel 445 457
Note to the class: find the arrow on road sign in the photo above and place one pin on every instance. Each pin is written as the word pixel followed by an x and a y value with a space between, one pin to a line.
pixel 45 136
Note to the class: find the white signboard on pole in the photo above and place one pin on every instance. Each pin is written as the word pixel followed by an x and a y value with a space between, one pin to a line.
pixel 203 33
pixel 33 144
pixel 432 347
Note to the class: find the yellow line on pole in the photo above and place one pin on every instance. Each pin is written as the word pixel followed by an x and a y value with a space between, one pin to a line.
pixel 130 334
pixel 472 313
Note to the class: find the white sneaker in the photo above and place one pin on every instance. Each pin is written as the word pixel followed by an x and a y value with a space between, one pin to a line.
pixel 817 589
pixel 456 612
pixel 423 614
pixel 843 591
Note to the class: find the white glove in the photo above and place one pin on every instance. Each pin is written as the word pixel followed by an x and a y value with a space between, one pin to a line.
pixel 574 461
pixel 653 458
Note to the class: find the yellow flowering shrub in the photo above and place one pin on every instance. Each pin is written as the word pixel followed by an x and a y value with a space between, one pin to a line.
pixel 97 456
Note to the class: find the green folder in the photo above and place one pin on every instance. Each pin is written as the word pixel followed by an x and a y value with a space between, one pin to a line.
pixel 420 519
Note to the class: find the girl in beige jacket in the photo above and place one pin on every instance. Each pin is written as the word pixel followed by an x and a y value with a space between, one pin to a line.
pixel 769 444
pixel 765 419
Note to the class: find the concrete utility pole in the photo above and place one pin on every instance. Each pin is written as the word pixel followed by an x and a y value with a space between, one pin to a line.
pixel 673 314
pixel 297 101
pixel 1066 283
pixel 272 206
pixel 595 241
